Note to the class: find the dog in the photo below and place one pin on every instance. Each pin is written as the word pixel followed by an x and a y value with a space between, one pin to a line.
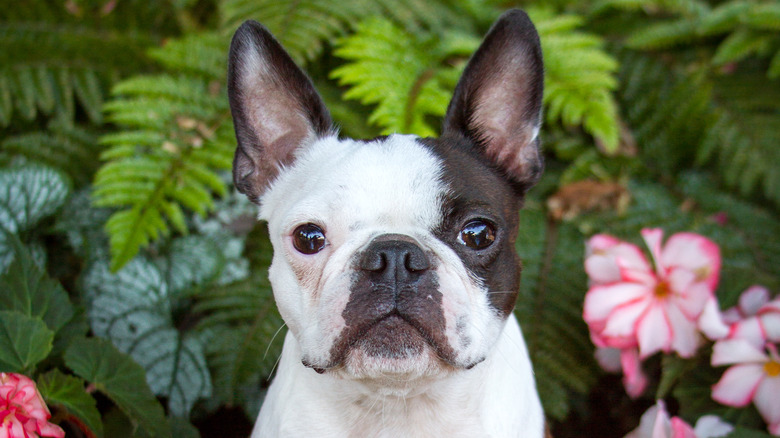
pixel 394 261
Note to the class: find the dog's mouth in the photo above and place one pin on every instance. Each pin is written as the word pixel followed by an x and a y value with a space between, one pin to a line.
pixel 394 338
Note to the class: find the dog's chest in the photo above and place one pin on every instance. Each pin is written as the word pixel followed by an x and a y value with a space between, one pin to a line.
pixel 417 417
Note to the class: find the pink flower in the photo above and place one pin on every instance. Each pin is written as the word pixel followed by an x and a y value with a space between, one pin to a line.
pixel 627 360
pixel 23 414
pixel 751 347
pixel 760 325
pixel 631 305
pixel 752 299
pixel 655 423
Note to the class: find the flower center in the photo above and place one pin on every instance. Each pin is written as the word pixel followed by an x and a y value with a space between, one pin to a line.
pixel 662 290
pixel 702 273
pixel 772 368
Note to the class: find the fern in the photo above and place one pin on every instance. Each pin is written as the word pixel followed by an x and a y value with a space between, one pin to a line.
pixel 305 27
pixel 54 56
pixel 177 137
pixel 750 29
pixel 70 149
pixel 692 118
pixel 549 308
pixel 579 77
pixel 396 71
pixel 243 316
pixel 410 76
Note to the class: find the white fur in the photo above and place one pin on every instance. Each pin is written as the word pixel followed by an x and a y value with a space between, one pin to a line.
pixel 356 192
pixel 496 399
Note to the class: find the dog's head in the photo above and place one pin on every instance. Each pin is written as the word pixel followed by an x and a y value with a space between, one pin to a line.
pixel 393 256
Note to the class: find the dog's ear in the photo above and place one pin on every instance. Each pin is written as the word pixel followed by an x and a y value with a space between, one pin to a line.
pixel 274 105
pixel 497 102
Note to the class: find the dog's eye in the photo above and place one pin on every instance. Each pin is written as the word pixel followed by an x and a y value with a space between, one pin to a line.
pixel 308 239
pixel 477 234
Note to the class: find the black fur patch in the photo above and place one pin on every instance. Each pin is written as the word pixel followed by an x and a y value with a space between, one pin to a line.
pixel 478 190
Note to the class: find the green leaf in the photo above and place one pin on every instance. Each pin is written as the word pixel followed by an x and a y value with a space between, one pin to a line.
pixel 673 369
pixel 739 45
pixel 177 137
pixel 121 379
pixel 305 27
pixel 27 195
pixel 724 18
pixel 774 67
pixel 579 77
pixel 549 308
pixel 190 262
pixel 24 341
pixel 69 393
pixel 182 428
pixel 395 70
pixel 69 149
pixel 663 35
pixel 27 289
pixel 741 432
pixel 133 309
pixel 242 330
pixel 764 16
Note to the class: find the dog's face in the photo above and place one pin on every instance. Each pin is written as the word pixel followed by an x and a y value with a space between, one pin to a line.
pixel 395 256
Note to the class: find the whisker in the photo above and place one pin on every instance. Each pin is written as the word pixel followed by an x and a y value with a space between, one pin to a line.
pixel 268 348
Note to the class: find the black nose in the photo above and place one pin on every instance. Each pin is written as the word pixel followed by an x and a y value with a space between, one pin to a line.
pixel 394 258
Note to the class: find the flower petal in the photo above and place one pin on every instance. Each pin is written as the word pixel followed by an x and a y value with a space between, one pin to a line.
pixel 602 269
pixel 648 421
pixel 623 320
pixel 600 243
pixel 712 426
pixel 752 299
pixel 695 253
pixel 770 323
pixel 749 329
pixel 46 429
pixel 711 321
pixel 681 429
pixel 600 301
pixel 690 297
pixel 731 351
pixel 685 337
pixel 654 332
pixel 766 399
pixel 738 385
pixel 634 379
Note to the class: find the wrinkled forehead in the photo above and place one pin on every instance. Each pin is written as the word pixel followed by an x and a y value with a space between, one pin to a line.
pixel 394 182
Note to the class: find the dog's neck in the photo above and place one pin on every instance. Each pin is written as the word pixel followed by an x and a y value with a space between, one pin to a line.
pixel 496 398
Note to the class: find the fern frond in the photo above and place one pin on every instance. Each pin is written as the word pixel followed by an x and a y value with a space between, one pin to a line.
pixel 305 27
pixel 579 77
pixel 750 29
pixel 243 317
pixel 53 58
pixel 302 27
pixel 549 308
pixel 71 149
pixel 201 54
pixel 177 138
pixel 679 118
pixel 668 114
pixel 684 7
pixel 741 44
pixel 396 71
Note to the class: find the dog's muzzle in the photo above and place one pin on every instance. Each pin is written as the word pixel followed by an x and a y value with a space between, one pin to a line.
pixel 395 305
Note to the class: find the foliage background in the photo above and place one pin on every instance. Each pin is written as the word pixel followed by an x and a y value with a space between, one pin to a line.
pixel 124 246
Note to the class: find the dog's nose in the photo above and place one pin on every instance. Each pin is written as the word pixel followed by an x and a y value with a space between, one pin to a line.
pixel 394 258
